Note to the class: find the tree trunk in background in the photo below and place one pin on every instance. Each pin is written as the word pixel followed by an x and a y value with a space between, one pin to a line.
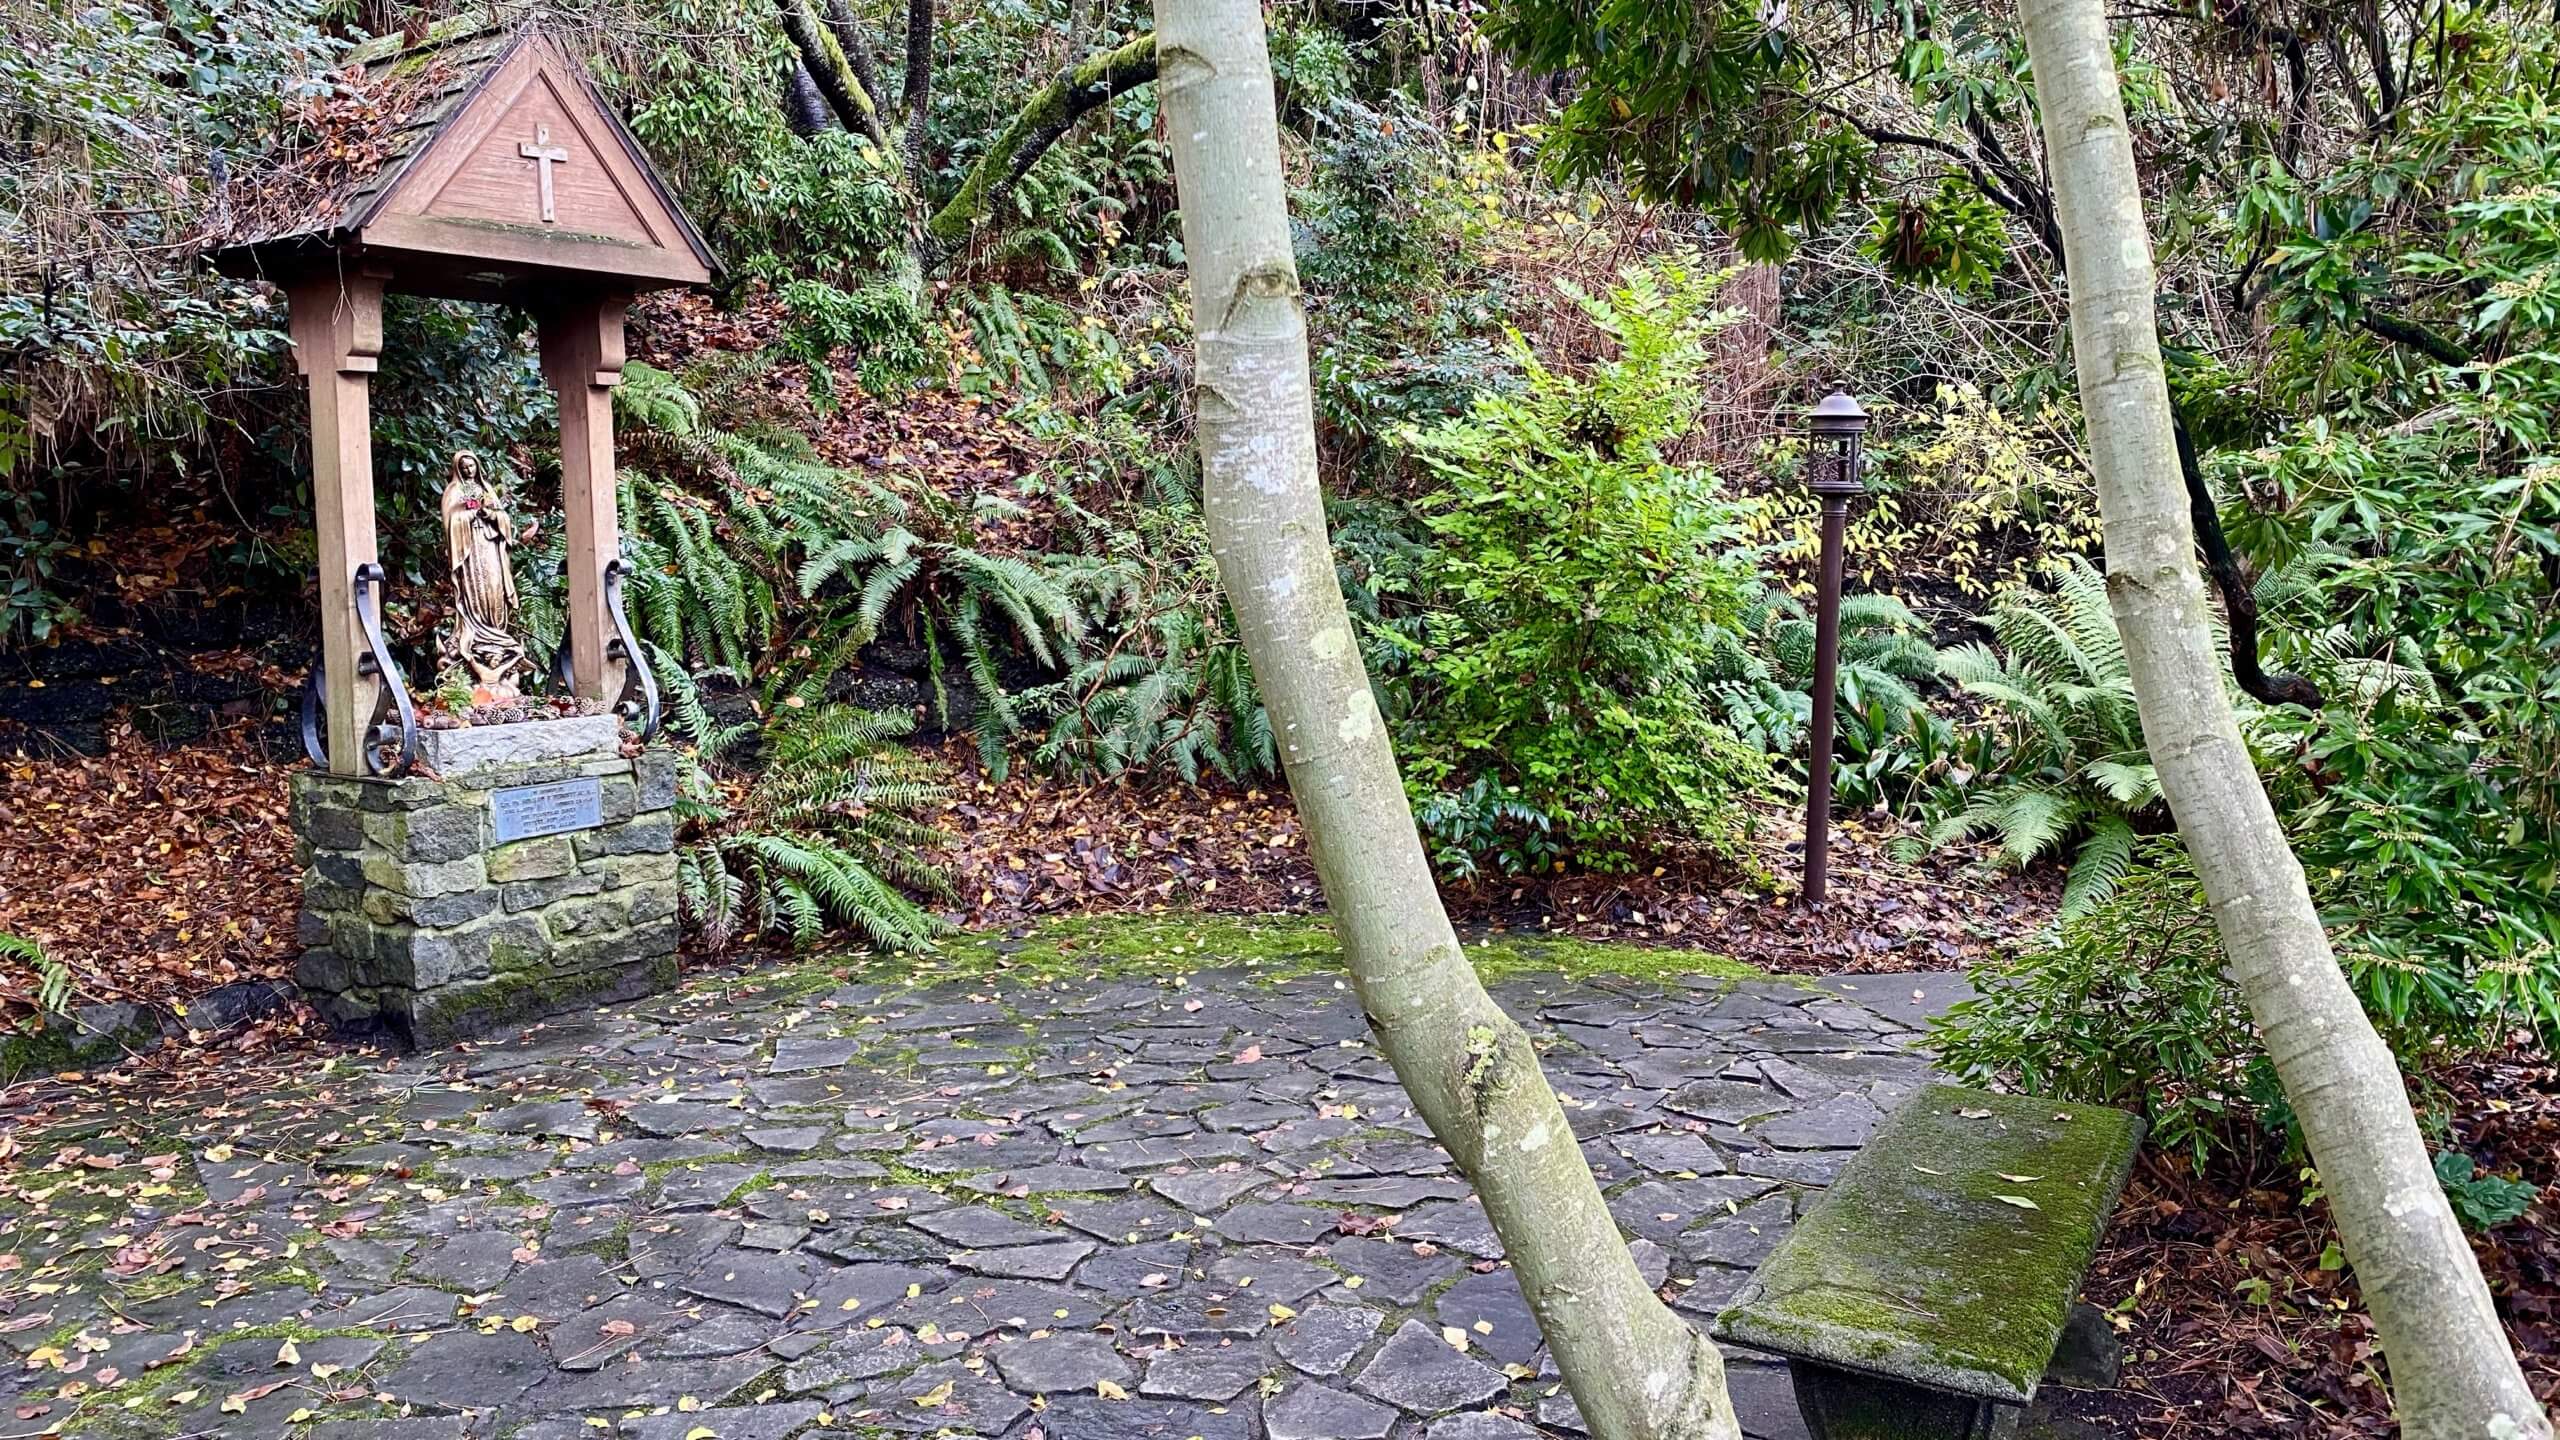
pixel 1637 1371
pixel 2452 1374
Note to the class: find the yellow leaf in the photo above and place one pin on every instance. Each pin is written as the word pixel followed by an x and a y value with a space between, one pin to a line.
pixel 1109 1391
pixel 702 1432
pixel 523 1324
pixel 287 1355
pixel 1456 1337
pixel 1283 1312
pixel 687 1404
pixel 2021 1201
pixel 936 1396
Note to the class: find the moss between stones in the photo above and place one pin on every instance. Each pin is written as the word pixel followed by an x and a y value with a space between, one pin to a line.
pixel 30 1051
pixel 1274 947
pixel 483 1007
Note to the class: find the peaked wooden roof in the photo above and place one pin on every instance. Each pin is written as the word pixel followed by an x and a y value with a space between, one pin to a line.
pixel 475 160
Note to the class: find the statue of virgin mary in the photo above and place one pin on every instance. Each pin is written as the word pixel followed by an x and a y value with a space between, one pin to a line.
pixel 477 537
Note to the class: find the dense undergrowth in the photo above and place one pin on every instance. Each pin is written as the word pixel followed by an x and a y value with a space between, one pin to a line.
pixel 1565 490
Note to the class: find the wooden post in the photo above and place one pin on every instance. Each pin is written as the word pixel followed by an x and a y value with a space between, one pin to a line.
pixel 582 355
pixel 336 322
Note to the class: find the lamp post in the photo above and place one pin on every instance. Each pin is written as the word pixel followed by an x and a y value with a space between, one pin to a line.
pixel 1831 470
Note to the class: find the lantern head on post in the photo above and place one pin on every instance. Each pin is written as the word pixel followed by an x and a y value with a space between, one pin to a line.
pixel 1839 428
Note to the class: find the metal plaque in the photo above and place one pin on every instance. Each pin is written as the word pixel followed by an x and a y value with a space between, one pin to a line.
pixel 529 810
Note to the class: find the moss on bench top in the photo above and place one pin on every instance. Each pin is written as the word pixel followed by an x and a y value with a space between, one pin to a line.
pixel 1948 1253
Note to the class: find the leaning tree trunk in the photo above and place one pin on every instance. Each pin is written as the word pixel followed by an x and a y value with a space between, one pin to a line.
pixel 2452 1373
pixel 1637 1371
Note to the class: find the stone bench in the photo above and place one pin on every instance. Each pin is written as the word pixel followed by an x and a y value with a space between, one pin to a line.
pixel 1923 1297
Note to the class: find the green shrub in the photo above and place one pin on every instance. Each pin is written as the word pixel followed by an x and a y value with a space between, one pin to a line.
pixel 2422 799
pixel 699 88
pixel 1580 584
pixel 2126 1006
pixel 881 326
pixel 2482 1202
pixel 2408 526
pixel 1401 314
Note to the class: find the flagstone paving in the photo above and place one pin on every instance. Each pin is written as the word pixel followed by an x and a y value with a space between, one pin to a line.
pixel 1100 1210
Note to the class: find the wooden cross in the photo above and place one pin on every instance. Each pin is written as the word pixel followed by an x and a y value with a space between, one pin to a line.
pixel 544 154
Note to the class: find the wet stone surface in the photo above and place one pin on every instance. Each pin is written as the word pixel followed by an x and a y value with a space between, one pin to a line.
pixel 1083 1210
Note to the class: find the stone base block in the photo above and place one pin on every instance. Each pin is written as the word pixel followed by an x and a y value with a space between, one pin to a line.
pixel 419 922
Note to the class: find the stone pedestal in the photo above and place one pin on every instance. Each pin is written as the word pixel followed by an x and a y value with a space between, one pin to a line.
pixel 445 909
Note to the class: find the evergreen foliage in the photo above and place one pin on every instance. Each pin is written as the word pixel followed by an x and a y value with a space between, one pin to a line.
pixel 2070 765
pixel 827 829
pixel 1581 583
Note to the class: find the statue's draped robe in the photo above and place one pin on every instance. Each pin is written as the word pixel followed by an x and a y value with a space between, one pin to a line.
pixel 484 586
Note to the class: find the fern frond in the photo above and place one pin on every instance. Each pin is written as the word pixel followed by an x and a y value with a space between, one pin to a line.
pixel 2105 858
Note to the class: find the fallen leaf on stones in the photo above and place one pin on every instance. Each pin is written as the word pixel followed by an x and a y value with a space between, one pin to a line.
pixel 1971 1114
pixel 2019 1179
pixel 937 1395
pixel 1456 1337
pixel 2021 1201
pixel 286 1354
pixel 239 1403
pixel 1109 1391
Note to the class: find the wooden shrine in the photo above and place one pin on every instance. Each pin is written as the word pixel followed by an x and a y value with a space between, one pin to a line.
pixel 488 169
pixel 496 867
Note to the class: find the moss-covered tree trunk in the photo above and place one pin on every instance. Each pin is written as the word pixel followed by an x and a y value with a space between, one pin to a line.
pixel 836 61
pixel 2453 1376
pixel 1637 1371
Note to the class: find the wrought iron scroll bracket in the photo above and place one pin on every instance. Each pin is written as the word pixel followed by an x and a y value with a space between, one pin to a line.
pixel 395 719
pixel 376 661
pixel 639 702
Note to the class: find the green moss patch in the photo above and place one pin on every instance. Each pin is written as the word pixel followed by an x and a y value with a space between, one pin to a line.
pixel 1273 947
